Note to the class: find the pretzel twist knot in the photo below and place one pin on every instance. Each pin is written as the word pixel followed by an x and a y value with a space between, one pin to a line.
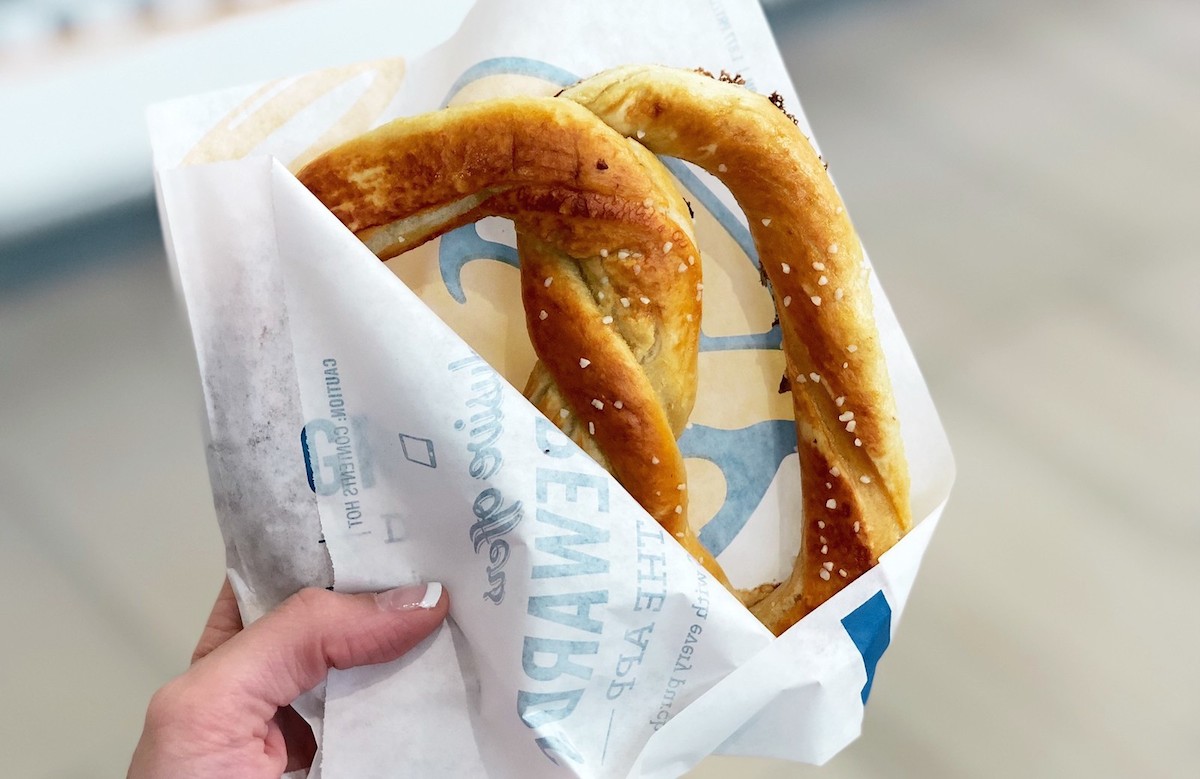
pixel 611 283
pixel 610 271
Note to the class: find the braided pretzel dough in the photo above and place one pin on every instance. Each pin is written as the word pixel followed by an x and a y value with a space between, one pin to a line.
pixel 853 472
pixel 610 273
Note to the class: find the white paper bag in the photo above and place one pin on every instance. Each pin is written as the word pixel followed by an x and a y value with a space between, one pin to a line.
pixel 364 433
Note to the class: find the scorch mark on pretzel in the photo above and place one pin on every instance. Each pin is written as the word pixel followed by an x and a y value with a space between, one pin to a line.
pixel 609 266
pixel 853 472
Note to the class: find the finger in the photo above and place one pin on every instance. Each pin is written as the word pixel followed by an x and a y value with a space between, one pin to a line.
pixel 223 623
pixel 292 648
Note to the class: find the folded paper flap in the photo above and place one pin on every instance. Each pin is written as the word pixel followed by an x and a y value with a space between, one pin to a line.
pixel 846 637
pixel 791 695
pixel 497 504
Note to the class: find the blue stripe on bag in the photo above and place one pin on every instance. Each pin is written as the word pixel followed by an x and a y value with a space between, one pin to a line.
pixel 870 628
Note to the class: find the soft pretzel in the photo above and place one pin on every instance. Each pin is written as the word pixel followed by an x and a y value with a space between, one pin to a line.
pixel 610 272
pixel 853 472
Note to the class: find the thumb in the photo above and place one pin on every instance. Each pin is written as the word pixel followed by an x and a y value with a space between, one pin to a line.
pixel 291 649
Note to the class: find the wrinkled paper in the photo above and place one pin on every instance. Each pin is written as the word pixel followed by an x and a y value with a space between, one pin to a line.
pixel 364 432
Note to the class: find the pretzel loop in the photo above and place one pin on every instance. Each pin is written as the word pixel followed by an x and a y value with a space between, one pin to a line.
pixel 853 472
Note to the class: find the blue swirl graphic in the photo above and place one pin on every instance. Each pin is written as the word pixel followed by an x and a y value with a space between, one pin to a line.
pixel 462 245
pixel 510 66
pixel 749 458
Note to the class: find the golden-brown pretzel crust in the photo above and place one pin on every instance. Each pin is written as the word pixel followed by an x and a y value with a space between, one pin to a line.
pixel 617 326
pixel 854 475
pixel 610 273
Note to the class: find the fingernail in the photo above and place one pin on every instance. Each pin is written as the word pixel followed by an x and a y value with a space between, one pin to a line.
pixel 412 596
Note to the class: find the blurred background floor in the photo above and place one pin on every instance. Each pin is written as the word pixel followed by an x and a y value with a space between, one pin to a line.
pixel 1025 176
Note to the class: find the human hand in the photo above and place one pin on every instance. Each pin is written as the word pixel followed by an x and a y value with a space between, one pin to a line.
pixel 230 713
